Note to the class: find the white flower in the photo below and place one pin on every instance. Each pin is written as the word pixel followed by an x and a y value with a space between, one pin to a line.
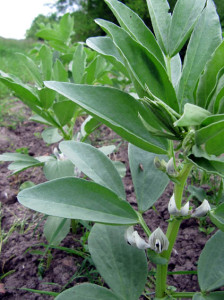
pixel 134 239
pixel 202 210
pixel 158 241
pixel 59 156
pixel 173 210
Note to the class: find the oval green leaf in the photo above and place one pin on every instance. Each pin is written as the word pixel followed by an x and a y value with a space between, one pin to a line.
pixel 88 291
pixel 217 216
pixel 149 182
pixel 123 267
pixel 116 109
pixel 161 20
pixel 134 25
pixel 205 39
pixel 75 198
pixel 95 164
pixel 184 17
pixel 208 80
pixel 211 264
pixel 212 136
pixel 56 229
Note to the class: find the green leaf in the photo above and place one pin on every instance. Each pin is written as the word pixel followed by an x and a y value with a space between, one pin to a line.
pixel 212 119
pixel 22 91
pixel 56 229
pixel 185 15
pixel 134 25
pixel 105 46
pixel 51 135
pixel 8 156
pixel 193 115
pixel 197 192
pixel 46 62
pixel 89 125
pixel 60 46
pixel 212 136
pixel 64 111
pixel 75 198
pixel 217 216
pixel 146 69
pixel 211 265
pixel 210 296
pixel 60 74
pixel 210 164
pixel 54 168
pixel 114 108
pixel 66 27
pixel 161 20
pixel 39 119
pixel 123 267
pixel 19 166
pixel 79 64
pixel 149 182
pixel 107 150
pixel 94 164
pixel 47 97
pixel 49 34
pixel 205 39
pixel 96 69
pixel 217 100
pixel 176 69
pixel 32 68
pixel 88 291
pixel 120 167
pixel 209 78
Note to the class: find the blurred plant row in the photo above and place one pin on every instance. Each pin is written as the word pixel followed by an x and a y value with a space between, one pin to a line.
pixel 84 13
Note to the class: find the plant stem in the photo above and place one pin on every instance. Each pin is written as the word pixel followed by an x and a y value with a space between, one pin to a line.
pixel 183 295
pixel 172 232
pixel 143 224
pixel 161 272
pixel 179 188
pixel 74 225
pixel 168 66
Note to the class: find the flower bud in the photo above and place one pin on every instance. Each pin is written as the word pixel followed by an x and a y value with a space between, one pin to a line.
pixel 134 239
pixel 173 210
pixel 202 210
pixel 160 164
pixel 158 241
pixel 170 167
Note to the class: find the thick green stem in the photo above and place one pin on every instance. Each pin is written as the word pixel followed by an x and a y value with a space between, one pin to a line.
pixel 161 272
pixel 172 232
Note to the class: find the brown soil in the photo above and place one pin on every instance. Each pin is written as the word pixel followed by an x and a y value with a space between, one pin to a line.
pixel 16 254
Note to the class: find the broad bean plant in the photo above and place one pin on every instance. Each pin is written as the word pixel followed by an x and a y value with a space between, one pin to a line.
pixel 174 123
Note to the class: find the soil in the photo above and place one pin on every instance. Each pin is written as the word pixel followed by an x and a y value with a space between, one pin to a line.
pixel 21 229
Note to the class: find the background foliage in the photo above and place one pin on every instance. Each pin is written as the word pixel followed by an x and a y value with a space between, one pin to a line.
pixel 87 11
